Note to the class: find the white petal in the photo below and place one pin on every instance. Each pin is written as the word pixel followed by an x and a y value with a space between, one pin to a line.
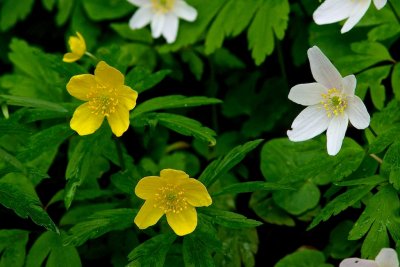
pixel 309 123
pixel 157 25
pixel 356 262
pixel 307 94
pixel 335 133
pixel 331 11
pixel 380 3
pixel 170 29
pixel 184 11
pixel 323 70
pixel 349 84
pixel 387 257
pixel 357 14
pixel 141 18
pixel 357 112
pixel 140 2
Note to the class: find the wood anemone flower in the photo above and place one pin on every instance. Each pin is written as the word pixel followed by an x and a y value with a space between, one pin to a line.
pixel 106 96
pixel 387 257
pixel 174 194
pixel 78 48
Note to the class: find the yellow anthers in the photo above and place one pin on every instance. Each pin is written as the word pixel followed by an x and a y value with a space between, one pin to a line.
pixel 163 6
pixel 334 102
pixel 78 48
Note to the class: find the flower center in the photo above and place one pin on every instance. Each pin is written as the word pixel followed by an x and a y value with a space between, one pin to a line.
pixel 334 102
pixel 170 199
pixel 103 100
pixel 163 5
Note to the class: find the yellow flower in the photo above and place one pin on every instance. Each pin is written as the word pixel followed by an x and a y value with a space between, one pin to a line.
pixel 78 48
pixel 106 96
pixel 173 194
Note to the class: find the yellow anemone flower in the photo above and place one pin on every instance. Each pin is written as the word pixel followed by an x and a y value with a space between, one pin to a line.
pixel 173 194
pixel 78 48
pixel 106 96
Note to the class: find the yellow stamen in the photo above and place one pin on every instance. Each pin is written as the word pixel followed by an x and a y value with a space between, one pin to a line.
pixel 334 102
pixel 104 103
pixel 170 199
pixel 163 6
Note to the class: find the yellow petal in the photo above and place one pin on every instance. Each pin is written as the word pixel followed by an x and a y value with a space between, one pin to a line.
pixel 85 122
pixel 77 44
pixel 184 222
pixel 71 57
pixel 119 120
pixel 173 175
pixel 81 85
pixel 148 186
pixel 148 215
pixel 127 97
pixel 108 75
pixel 196 193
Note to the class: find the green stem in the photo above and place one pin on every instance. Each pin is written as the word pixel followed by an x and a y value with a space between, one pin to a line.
pixel 375 157
pixel 119 153
pixel 92 56
pixel 394 11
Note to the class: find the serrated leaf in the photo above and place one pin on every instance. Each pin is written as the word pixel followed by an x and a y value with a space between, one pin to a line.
pixel 98 224
pixel 107 9
pixel 172 101
pixel 229 219
pixel 10 12
pixel 18 193
pixel 270 22
pixel 141 79
pixel 151 252
pixel 303 258
pixel 224 164
pixel 391 165
pixel 247 187
pixel 12 247
pixel 195 252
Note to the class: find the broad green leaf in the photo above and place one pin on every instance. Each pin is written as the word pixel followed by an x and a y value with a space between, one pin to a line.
pixel 140 35
pixel 140 79
pixel 107 9
pixel 18 193
pixel 339 246
pixel 49 245
pixel 224 164
pixel 151 252
pixel 229 219
pixel 340 203
pixel 12 247
pixel 172 101
pixel 372 180
pixel 181 161
pixel 12 127
pixel 385 139
pixel 269 23
pixel 304 258
pixel 31 102
pixel 247 187
pixel 396 81
pixel 98 224
pixel 195 252
pixel 385 119
pixel 11 160
pixel 10 13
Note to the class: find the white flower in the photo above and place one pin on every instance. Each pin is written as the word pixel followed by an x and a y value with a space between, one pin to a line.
pixel 336 10
pixel 387 257
pixel 163 15
pixel 331 104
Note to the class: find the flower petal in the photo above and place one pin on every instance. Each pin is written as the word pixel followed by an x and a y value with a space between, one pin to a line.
pixel 358 12
pixel 140 2
pixel 349 84
pixel 85 122
pixel 148 215
pixel 71 57
pixel 77 44
pixel 335 133
pixel 127 97
pixel 119 120
pixel 108 76
pixel 196 193
pixel 173 175
pixel 307 94
pixel 170 29
pixel 379 3
pixel 323 70
pixel 387 257
pixel 356 262
pixel 148 186
pixel 331 11
pixel 309 123
pixel 80 86
pixel 141 18
pixel 184 11
pixel 157 25
pixel 358 113
pixel 184 222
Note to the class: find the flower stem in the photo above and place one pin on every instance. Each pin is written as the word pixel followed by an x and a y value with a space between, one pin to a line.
pixel 375 157
pixel 119 153
pixel 394 11
pixel 91 56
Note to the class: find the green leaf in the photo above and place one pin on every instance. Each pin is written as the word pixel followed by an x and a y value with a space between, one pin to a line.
pixel 372 180
pixel 98 224
pixel 64 11
pixel 12 247
pixel 264 206
pixel 140 35
pixel 396 81
pixel 196 253
pixel 10 13
pixel 194 61
pixel 385 119
pixel 31 102
pixel 304 258
pixel 107 9
pixel 380 215
pixel 340 203
pixel 224 164
pixel 49 245
pixel 151 252
pixel 391 165
pixel 229 219
pixel 339 246
pixel 172 101
pixel 385 139
pixel 140 79
pixel 247 187
pixel 270 21
pixel 18 193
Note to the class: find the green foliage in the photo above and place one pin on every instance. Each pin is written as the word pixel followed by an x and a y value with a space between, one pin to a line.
pixel 309 258
pixel 229 219
pixel 11 13
pixel 12 247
